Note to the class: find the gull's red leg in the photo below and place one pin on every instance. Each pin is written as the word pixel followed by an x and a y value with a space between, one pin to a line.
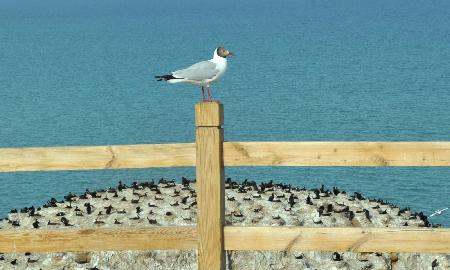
pixel 209 93
pixel 203 92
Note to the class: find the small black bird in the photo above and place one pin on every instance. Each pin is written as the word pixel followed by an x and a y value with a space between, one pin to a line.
pixel 359 196
pixel 185 182
pixel 350 215
pixel 152 221
pixel 336 191
pixel 88 208
pixel 36 224
pixel 316 194
pixel 98 221
pixel 15 223
pixel 322 189
pixel 367 214
pixel 108 209
pixel 120 186
pixel 231 199
pixel 337 257
pixel 329 208
pixel 434 264
pixel 291 200
pixel 320 210
pixel 257 210
pixel 184 200
pixel 65 221
pixel 308 200
pixel 32 261
pixel 135 201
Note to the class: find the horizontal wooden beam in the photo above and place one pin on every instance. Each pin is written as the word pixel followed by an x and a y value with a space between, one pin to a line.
pixel 235 154
pixel 337 153
pixel 97 157
pixel 352 239
pixel 181 238
pixel 338 239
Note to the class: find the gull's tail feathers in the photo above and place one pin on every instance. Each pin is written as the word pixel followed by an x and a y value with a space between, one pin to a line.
pixel 166 77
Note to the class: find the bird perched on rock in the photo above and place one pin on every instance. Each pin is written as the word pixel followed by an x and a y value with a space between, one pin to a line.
pixel 203 73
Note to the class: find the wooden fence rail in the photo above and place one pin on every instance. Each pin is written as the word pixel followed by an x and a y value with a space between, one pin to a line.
pixel 338 239
pixel 284 238
pixel 210 154
pixel 96 157
pixel 98 239
pixel 234 154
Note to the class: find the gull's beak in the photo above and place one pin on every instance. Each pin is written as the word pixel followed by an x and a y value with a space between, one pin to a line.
pixel 230 53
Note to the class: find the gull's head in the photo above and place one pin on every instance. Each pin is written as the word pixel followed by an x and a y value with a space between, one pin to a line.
pixel 222 52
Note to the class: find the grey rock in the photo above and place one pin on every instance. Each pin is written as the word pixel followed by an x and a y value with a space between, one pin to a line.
pixel 249 207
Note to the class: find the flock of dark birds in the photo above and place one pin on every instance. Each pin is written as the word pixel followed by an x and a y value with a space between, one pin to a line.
pixel 165 202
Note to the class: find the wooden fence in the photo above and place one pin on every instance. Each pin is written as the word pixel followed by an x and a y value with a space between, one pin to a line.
pixel 210 154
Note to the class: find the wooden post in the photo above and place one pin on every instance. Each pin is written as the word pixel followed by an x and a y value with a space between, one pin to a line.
pixel 210 185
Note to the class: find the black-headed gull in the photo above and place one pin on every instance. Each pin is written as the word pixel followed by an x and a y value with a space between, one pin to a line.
pixel 202 73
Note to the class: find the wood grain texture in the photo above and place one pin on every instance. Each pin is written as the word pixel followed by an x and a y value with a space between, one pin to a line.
pixel 236 238
pixel 235 154
pixel 336 153
pixel 338 239
pixel 97 157
pixel 210 192
pixel 98 239
pixel 209 114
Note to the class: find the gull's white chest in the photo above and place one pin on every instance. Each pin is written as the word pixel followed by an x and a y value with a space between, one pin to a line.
pixel 221 66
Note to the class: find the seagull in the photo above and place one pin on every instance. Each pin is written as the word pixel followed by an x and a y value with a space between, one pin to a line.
pixel 438 212
pixel 202 73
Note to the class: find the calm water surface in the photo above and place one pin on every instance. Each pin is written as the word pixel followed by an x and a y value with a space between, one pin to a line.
pixel 81 73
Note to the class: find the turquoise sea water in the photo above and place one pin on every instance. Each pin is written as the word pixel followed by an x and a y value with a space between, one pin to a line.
pixel 81 73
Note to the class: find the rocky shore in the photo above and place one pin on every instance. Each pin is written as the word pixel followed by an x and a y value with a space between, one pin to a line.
pixel 167 203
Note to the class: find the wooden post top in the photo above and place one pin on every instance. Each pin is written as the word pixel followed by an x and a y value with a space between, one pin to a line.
pixel 209 114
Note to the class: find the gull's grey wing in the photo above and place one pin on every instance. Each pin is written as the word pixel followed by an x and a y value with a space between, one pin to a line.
pixel 200 71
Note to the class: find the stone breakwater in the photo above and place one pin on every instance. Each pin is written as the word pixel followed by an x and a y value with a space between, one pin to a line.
pixel 167 203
